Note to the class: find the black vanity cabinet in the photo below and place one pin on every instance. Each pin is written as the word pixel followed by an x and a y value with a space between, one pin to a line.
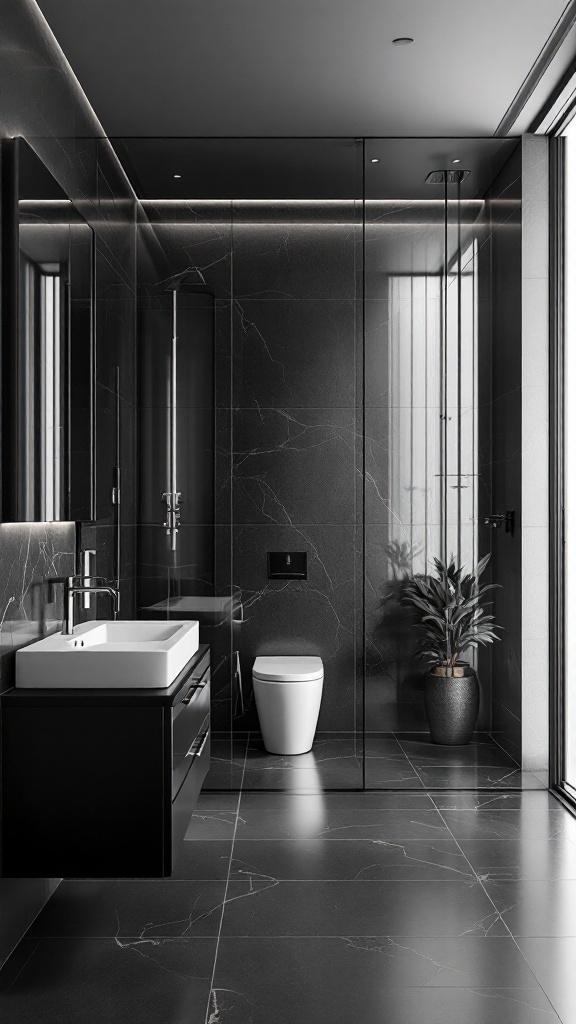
pixel 102 783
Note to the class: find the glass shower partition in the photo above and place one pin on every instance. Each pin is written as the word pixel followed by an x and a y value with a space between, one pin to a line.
pixel 275 229
pixel 359 327
pixel 427 326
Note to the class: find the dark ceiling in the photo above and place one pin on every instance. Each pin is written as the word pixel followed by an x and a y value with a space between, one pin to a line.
pixel 305 168
pixel 304 67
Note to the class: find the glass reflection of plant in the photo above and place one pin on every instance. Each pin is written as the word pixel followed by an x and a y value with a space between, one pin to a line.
pixel 393 636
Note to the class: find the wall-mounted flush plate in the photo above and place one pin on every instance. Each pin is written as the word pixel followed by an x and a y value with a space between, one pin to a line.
pixel 287 565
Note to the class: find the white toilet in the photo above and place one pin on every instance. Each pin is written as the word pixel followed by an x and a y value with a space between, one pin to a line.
pixel 288 692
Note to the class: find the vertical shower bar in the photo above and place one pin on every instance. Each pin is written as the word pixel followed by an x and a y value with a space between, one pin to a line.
pixel 173 487
pixel 427 484
pixel 363 456
pixel 231 552
pixel 459 385
pixel 118 493
pixel 412 421
pixel 443 380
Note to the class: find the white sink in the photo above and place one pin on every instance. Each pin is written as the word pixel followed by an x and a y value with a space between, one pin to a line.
pixel 102 655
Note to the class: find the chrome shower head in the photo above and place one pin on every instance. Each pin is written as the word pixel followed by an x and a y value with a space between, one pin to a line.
pixel 450 177
pixel 192 276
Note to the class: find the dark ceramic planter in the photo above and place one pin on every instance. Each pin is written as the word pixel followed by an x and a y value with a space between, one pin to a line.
pixel 452 705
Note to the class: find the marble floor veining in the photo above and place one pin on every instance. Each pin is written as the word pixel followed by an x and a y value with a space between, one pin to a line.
pixel 388 761
pixel 420 907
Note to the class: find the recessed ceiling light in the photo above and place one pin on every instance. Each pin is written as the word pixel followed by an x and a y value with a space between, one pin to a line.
pixel 457 161
pixel 374 160
pixel 177 175
pixel 403 41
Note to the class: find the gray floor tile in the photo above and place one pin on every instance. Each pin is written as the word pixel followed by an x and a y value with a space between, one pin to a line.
pixel 146 910
pixel 350 800
pixel 227 756
pixel 509 859
pixel 536 908
pixel 548 823
pixel 455 777
pixel 202 859
pixel 552 962
pixel 333 763
pixel 500 801
pixel 383 745
pixel 394 1005
pixel 107 981
pixel 206 825
pixel 477 753
pixel 302 821
pixel 384 773
pixel 265 906
pixel 211 801
pixel 363 859
pixel 339 905
pixel 327 979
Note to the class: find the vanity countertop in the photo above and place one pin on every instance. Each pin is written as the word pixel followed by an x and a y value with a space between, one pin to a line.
pixel 134 697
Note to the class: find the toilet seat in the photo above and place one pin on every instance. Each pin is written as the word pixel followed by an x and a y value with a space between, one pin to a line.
pixel 288 694
pixel 288 669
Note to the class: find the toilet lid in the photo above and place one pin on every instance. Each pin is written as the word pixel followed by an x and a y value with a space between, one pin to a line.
pixel 288 669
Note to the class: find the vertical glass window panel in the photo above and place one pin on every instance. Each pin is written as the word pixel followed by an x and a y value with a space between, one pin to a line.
pixel 28 425
pixel 570 455
pixel 47 434
pixel 462 407
pixel 50 439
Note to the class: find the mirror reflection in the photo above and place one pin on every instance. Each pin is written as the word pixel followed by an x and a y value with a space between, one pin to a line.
pixel 48 364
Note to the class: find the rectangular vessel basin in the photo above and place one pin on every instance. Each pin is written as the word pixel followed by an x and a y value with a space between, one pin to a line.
pixel 101 655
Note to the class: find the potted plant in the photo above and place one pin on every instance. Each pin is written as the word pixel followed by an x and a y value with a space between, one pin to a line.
pixel 453 620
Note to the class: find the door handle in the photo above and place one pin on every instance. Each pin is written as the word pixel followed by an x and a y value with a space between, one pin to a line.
pixel 202 740
pixel 499 519
pixel 195 689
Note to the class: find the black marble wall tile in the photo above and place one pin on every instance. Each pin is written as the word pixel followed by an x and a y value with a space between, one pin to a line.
pixel 101 538
pixel 294 352
pixel 500 383
pixel 377 382
pixel 31 555
pixel 195 455
pixel 188 570
pixel 292 443
pixel 195 354
pixel 105 451
pixel 128 451
pixel 294 465
pixel 223 467
pixel 193 235
pixel 295 250
pixel 225 683
pixel 115 328
pixel 506 727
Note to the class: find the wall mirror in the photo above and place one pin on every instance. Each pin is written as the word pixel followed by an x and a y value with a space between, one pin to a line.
pixel 48 346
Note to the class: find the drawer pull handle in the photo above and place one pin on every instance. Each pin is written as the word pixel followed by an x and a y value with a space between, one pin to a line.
pixel 198 751
pixel 194 690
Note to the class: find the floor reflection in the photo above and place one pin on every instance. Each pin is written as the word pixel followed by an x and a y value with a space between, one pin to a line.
pixel 383 761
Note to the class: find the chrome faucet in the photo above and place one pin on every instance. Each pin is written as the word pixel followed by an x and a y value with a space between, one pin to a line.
pixel 78 585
